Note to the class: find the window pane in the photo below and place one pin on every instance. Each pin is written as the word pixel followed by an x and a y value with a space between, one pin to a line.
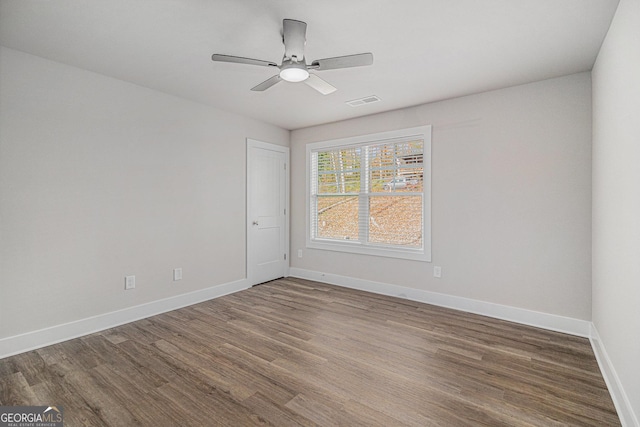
pixel 337 217
pixel 407 180
pixel 396 167
pixel 396 220
pixel 339 183
pixel 339 171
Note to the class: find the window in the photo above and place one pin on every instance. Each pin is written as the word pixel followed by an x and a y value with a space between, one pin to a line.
pixel 371 194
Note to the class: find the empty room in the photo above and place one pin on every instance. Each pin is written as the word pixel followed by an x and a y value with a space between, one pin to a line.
pixel 293 213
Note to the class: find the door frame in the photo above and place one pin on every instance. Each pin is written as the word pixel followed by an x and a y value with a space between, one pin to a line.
pixel 253 143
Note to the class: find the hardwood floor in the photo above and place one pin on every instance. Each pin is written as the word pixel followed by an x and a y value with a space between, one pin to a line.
pixel 295 352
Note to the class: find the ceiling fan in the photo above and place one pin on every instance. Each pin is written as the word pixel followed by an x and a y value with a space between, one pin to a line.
pixel 294 67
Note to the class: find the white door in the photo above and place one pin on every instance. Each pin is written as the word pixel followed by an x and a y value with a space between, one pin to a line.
pixel 267 194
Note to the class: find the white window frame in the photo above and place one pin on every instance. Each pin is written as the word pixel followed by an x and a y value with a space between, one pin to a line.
pixel 357 247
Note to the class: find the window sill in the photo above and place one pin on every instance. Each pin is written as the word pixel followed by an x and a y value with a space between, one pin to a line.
pixel 381 251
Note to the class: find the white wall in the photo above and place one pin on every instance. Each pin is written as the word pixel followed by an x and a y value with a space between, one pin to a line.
pixel 511 198
pixel 100 179
pixel 616 198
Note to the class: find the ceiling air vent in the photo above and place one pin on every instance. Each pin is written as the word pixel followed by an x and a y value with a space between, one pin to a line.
pixel 364 101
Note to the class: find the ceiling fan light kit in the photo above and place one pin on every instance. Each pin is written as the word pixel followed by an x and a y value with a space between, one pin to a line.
pixel 294 67
pixel 294 72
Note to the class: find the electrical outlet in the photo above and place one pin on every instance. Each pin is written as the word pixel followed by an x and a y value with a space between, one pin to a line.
pixel 299 253
pixel 437 271
pixel 129 282
pixel 177 274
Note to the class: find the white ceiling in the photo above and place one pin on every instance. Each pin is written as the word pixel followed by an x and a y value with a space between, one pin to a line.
pixel 424 50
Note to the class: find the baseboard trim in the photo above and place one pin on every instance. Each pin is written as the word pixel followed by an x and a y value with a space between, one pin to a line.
pixel 519 315
pixel 620 400
pixel 41 338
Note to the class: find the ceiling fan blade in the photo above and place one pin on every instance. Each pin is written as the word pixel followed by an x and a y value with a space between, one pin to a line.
pixel 320 85
pixel 240 60
pixel 294 38
pixel 342 62
pixel 267 83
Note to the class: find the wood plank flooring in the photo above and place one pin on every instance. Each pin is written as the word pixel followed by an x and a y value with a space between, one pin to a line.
pixel 293 352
